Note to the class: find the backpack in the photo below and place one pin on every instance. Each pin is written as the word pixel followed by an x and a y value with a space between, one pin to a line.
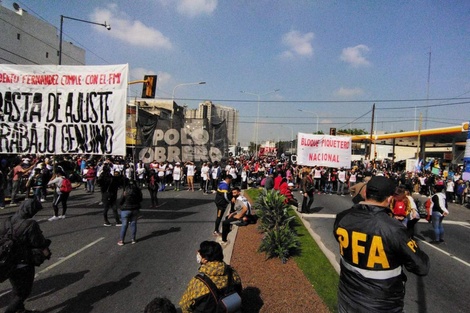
pixel 428 206
pixel 66 186
pixel 226 300
pixel 399 208
pixel 9 247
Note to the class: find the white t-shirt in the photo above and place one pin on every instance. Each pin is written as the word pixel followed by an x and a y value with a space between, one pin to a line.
pixel 190 169
pixel 205 172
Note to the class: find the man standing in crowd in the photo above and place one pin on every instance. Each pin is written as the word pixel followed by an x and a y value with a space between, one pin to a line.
pixel 59 197
pixel 222 198
pixel 373 248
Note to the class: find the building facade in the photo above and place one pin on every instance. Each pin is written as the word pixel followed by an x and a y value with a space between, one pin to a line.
pixel 25 39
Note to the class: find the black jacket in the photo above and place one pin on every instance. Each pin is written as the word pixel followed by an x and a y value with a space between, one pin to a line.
pixel 31 237
pixel 132 197
pixel 374 247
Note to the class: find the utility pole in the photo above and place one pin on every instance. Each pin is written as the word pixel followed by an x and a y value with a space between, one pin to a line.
pixel 369 150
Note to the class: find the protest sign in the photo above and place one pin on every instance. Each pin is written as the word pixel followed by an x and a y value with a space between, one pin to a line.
pixel 323 150
pixel 50 109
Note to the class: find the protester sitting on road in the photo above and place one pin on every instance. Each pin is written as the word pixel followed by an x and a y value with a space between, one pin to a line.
pixel 197 295
pixel 160 305
pixel 241 208
pixel 374 248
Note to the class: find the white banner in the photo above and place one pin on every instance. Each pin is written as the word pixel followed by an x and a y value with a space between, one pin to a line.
pixel 50 109
pixel 323 150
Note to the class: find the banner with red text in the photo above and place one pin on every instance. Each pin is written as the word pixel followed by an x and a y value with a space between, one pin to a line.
pixel 57 109
pixel 323 150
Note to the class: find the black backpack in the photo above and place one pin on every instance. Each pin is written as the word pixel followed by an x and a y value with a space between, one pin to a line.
pixel 9 248
pixel 225 300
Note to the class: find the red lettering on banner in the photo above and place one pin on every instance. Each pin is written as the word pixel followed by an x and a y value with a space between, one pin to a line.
pixel 325 157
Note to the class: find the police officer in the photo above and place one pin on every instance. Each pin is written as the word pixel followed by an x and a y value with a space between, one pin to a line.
pixel 374 247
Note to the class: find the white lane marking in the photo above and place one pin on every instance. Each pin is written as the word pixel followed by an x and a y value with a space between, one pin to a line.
pixel 69 256
pixel 422 220
pixel 446 253
pixel 464 224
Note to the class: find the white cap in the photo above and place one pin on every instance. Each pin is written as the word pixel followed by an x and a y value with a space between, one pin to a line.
pixel 290 184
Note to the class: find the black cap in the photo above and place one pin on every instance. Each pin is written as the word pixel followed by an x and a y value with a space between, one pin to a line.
pixel 380 186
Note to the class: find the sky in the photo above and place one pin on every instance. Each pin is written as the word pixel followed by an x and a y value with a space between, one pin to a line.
pixel 311 64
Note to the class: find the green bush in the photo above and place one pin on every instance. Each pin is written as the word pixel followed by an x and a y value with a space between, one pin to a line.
pixel 279 240
pixel 271 210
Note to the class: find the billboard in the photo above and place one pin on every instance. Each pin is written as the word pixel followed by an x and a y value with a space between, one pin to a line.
pixel 51 109
pixel 323 150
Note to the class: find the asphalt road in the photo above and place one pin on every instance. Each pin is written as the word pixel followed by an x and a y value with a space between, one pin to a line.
pixel 89 272
pixel 446 286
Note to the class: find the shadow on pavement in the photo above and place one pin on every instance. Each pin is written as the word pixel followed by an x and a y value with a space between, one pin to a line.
pixel 84 301
pixel 160 233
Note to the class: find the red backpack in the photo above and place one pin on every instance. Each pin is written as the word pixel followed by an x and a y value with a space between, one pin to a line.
pixel 399 208
pixel 66 186
pixel 428 205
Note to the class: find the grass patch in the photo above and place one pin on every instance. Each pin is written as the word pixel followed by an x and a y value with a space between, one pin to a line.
pixel 311 260
pixel 316 267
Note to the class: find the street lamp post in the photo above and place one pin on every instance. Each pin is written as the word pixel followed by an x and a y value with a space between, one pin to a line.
pixel 257 116
pixel 108 27
pixel 311 113
pixel 185 84
pixel 291 135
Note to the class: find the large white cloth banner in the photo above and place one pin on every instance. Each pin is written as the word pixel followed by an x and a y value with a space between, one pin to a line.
pixel 51 109
pixel 323 150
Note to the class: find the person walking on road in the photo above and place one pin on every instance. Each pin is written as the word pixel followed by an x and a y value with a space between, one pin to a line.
pixel 439 211
pixel 109 187
pixel 307 192
pixel 33 251
pixel 374 248
pixel 130 206
pixel 223 197
pixel 59 197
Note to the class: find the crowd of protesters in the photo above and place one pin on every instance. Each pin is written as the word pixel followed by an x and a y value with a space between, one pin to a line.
pixel 30 175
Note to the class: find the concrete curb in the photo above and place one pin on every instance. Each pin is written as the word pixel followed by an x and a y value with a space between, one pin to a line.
pixel 329 255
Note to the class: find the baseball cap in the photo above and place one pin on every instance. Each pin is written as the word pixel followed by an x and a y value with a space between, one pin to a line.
pixel 290 184
pixel 380 186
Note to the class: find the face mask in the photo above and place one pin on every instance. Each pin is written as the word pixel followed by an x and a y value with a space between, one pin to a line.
pixel 198 258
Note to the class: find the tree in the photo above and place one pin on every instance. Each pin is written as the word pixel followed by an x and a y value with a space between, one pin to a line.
pixel 352 131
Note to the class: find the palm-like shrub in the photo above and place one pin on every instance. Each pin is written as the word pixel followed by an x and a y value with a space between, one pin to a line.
pixel 279 239
pixel 271 210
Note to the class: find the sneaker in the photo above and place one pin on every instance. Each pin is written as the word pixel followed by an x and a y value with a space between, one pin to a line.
pixel 2 207
pixel 54 218
pixel 223 243
pixel 216 233
pixel 120 243
pixel 62 217
pixel 107 224
pixel 43 200
pixel 133 241
pixel 118 224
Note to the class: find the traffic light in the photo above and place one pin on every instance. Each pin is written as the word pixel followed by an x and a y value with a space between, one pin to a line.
pixel 150 84
pixel 332 131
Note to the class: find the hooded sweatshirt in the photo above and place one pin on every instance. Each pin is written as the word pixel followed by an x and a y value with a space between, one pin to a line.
pixel 27 230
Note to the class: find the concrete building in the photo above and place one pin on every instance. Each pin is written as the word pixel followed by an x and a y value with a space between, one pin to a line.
pixel 215 114
pixel 25 39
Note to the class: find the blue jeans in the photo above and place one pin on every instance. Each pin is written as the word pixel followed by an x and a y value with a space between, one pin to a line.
pixel 436 220
pixel 129 216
